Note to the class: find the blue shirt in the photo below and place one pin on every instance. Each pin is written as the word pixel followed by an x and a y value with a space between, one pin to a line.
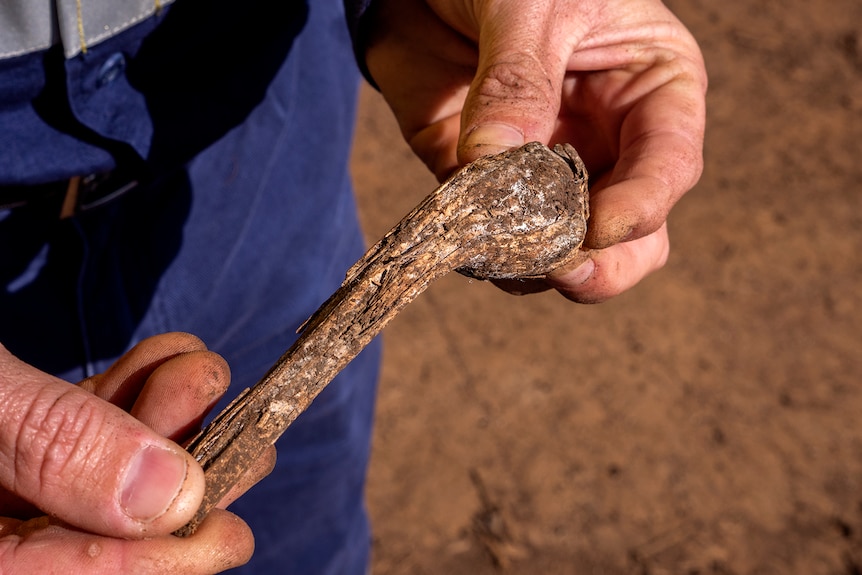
pixel 243 112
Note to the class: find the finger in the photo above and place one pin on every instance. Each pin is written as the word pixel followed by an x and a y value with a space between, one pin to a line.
pixel 86 461
pixel 515 96
pixel 526 286
pixel 661 155
pixel 223 541
pixel 180 392
pixel 611 271
pixel 122 382
pixel 423 67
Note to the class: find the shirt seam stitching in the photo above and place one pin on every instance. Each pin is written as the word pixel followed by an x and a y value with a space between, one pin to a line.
pixel 92 40
pixel 26 50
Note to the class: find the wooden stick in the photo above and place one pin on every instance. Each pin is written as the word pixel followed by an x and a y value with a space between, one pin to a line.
pixel 519 214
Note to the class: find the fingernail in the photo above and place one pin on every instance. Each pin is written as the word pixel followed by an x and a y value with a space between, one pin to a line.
pixel 153 480
pixel 580 274
pixel 500 136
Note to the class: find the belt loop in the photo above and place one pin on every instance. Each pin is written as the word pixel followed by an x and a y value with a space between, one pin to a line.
pixel 70 200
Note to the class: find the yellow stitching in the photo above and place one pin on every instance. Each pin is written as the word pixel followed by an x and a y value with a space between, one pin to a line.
pixel 158 5
pixel 70 201
pixel 81 26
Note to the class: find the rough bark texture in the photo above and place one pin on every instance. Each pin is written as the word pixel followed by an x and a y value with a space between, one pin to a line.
pixel 519 214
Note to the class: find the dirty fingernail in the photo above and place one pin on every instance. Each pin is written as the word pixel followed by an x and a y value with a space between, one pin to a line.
pixel 580 274
pixel 500 136
pixel 153 480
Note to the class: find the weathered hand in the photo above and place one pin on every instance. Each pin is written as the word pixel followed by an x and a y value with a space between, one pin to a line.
pixel 88 488
pixel 621 80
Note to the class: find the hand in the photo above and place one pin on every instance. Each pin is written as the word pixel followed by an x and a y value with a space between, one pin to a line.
pixel 89 488
pixel 621 80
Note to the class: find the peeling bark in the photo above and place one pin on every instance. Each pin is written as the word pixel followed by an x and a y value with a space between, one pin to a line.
pixel 519 214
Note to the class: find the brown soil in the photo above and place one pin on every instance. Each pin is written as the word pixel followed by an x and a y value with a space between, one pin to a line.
pixel 707 421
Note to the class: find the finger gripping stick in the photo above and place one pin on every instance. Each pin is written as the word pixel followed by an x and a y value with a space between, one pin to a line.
pixel 518 214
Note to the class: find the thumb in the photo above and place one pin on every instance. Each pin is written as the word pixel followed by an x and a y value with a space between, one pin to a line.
pixel 87 462
pixel 515 95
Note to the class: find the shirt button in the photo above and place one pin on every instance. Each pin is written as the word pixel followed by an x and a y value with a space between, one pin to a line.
pixel 113 67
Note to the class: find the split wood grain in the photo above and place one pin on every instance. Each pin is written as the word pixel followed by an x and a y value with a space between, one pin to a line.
pixel 519 214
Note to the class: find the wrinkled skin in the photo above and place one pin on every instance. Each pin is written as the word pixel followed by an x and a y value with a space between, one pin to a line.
pixel 621 80
pixel 65 451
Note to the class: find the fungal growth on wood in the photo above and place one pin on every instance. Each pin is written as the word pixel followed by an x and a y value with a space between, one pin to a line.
pixel 518 214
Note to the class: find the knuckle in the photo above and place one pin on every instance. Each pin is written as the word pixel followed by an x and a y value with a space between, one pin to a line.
pixel 58 439
pixel 517 78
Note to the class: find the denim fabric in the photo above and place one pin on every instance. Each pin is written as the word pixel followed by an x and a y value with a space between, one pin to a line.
pixel 248 224
pixel 161 91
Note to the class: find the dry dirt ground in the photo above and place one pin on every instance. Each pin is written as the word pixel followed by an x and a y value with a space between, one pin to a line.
pixel 707 421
